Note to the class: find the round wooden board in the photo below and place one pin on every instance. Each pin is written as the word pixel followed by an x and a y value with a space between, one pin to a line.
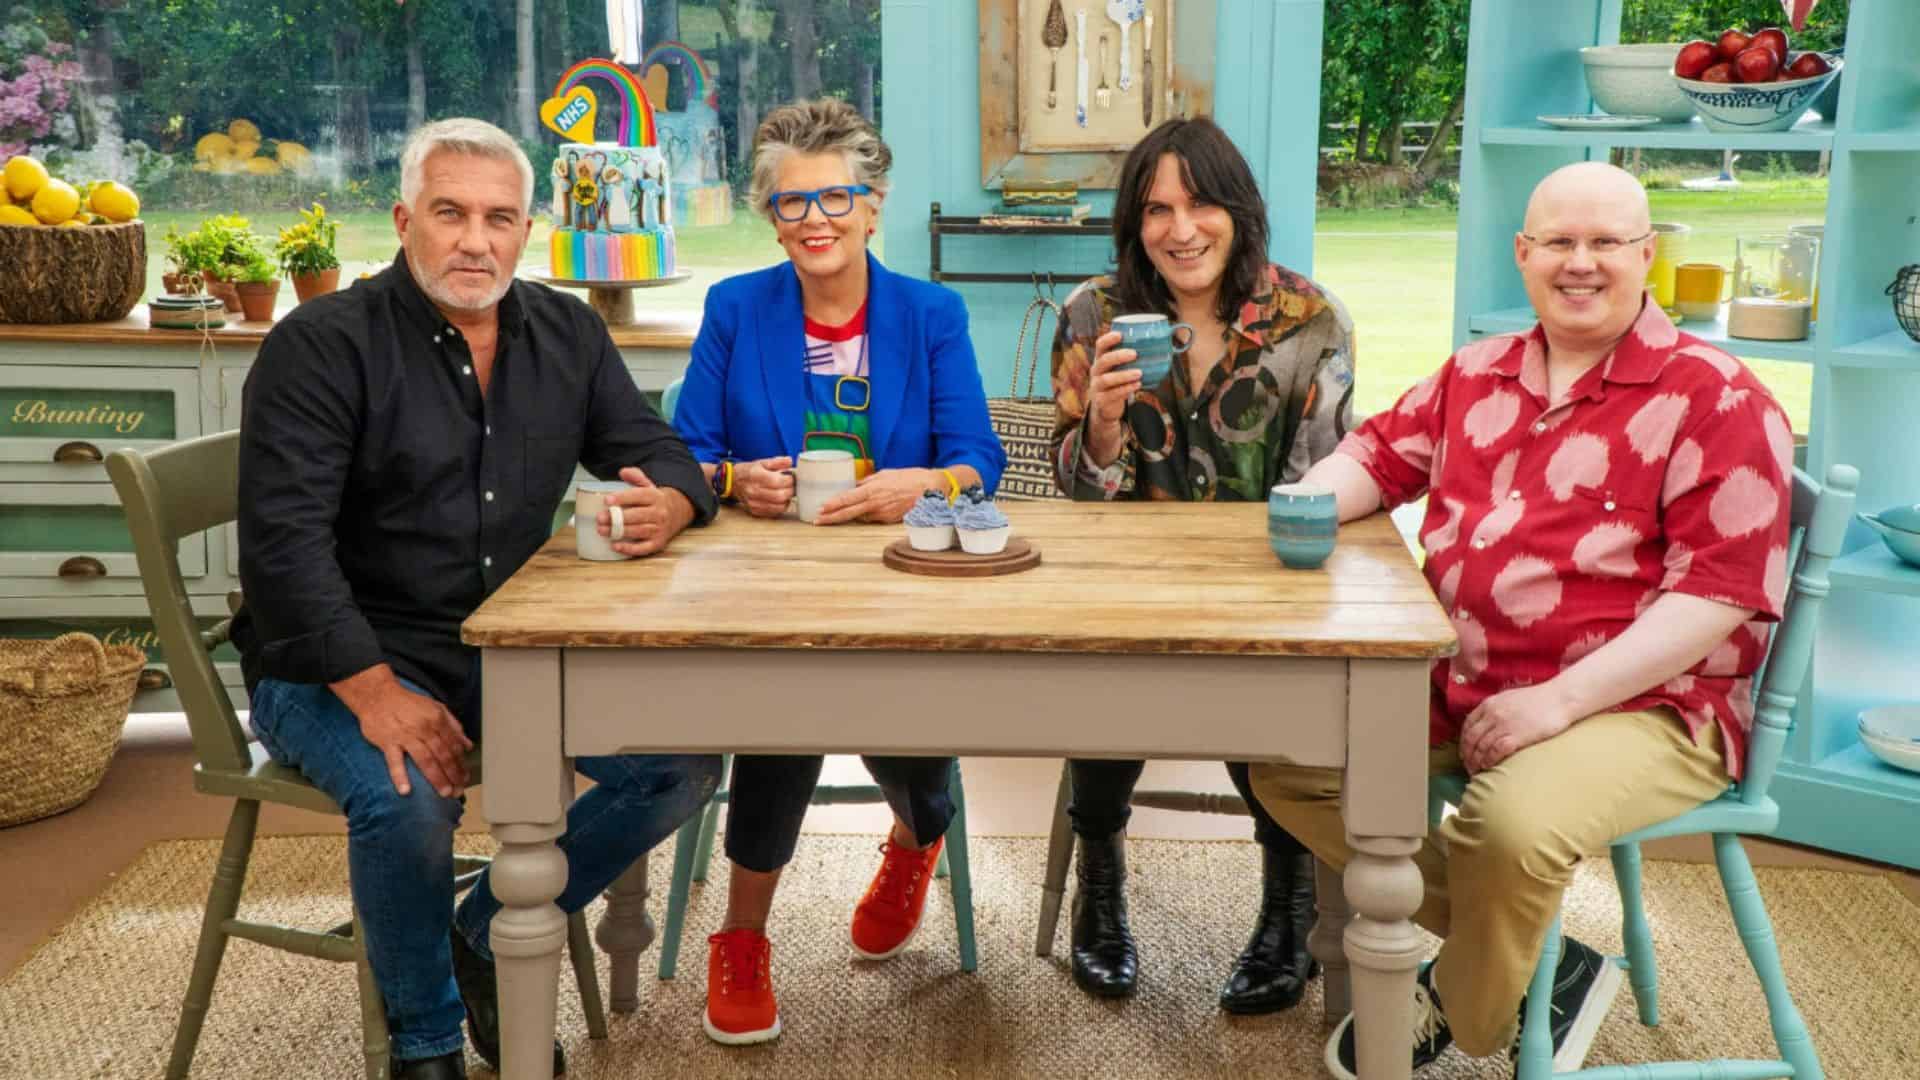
pixel 1018 555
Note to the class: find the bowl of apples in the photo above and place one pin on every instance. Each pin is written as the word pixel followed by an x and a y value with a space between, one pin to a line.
pixel 1751 82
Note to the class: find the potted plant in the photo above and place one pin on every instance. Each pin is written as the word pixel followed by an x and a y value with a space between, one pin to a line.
pixel 257 281
pixel 183 260
pixel 307 256
pixel 226 244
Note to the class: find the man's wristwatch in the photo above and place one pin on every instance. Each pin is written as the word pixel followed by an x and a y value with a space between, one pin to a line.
pixel 723 476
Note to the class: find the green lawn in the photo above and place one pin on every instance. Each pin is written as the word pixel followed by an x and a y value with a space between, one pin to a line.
pixel 1393 269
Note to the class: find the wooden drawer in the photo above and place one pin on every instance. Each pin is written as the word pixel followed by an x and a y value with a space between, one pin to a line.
pixel 156 686
pixel 58 423
pixel 59 540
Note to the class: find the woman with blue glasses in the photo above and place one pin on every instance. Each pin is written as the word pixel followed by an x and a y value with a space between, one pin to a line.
pixel 828 350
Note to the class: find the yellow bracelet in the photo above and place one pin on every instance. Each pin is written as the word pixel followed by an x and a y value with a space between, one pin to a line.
pixel 726 491
pixel 953 486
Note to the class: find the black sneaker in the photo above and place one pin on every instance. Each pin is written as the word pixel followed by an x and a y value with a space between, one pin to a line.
pixel 1584 986
pixel 445 1067
pixel 473 974
pixel 1430 1032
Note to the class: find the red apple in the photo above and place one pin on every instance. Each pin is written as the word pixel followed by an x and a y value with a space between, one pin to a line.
pixel 1721 72
pixel 1695 57
pixel 1756 64
pixel 1773 38
pixel 1807 65
pixel 1732 43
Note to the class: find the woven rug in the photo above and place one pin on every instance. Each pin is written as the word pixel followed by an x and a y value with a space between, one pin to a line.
pixel 100 998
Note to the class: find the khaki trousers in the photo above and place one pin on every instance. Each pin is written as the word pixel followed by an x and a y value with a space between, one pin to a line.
pixel 1495 876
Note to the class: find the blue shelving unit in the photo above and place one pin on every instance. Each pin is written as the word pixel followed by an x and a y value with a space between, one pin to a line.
pixel 1523 62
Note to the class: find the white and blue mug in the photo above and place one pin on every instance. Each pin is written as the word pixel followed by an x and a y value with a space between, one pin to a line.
pixel 1153 341
pixel 1302 521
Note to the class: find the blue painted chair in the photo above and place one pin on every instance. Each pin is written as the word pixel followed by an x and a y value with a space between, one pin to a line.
pixel 1819 525
pixel 693 848
pixel 670 397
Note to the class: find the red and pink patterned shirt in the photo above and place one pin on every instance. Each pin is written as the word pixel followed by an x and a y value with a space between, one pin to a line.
pixel 1548 530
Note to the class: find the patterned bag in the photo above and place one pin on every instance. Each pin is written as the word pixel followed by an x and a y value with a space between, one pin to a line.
pixel 1025 424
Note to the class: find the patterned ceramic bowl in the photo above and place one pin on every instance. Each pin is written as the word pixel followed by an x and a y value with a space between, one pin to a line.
pixel 1774 106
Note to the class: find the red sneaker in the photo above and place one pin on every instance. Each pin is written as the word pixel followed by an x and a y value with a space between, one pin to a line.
pixel 888 915
pixel 740 1005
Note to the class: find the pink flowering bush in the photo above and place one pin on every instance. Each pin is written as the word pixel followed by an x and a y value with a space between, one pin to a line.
pixel 36 76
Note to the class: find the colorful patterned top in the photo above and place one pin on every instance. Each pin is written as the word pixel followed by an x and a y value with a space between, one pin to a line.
pixel 1280 399
pixel 1666 468
pixel 838 393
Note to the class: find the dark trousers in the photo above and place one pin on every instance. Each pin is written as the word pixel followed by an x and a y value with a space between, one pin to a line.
pixel 769 793
pixel 1101 790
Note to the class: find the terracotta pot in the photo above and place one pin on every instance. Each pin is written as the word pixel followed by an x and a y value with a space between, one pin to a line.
pixel 256 299
pixel 216 286
pixel 308 286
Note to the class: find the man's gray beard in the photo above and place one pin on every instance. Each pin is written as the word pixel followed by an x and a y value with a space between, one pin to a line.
pixel 438 293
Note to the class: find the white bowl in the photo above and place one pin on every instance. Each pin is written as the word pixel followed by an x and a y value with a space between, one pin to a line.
pixel 1892 734
pixel 1636 80
pixel 1774 106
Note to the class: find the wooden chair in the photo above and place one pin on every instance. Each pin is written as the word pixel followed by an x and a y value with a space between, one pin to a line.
pixel 693 848
pixel 1820 517
pixel 173 493
pixel 1053 887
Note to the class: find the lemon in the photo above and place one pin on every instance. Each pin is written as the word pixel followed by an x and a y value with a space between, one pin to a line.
pixel 24 176
pixel 74 223
pixel 114 202
pixel 15 215
pixel 56 201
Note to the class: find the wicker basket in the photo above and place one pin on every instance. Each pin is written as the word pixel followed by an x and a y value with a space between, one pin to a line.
pixel 63 704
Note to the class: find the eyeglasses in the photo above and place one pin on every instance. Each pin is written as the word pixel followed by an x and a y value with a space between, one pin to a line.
pixel 833 201
pixel 1599 246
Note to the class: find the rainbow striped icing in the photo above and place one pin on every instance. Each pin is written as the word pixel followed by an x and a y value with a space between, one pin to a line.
pixel 612 203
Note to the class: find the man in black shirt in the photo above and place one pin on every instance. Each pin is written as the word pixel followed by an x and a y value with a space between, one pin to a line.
pixel 403 447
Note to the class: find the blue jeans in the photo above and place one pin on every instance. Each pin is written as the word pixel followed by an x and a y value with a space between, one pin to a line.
pixel 400 848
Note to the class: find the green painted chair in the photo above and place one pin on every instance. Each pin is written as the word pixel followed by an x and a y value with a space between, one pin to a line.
pixel 173 493
pixel 1820 517
pixel 693 849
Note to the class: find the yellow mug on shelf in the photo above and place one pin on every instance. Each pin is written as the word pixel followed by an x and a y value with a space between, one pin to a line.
pixel 1700 288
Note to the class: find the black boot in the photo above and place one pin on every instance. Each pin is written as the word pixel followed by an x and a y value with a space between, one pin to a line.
pixel 1104 961
pixel 1273 969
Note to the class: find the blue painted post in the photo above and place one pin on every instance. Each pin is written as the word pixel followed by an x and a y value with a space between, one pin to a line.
pixel 1756 933
pixel 961 881
pixel 1642 971
pixel 1535 1061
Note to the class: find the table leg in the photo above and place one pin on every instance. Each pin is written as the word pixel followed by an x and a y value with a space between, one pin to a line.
pixel 528 874
pixel 1383 886
pixel 1325 942
pixel 624 933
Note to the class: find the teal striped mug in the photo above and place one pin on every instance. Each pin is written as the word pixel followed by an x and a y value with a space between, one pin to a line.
pixel 1302 521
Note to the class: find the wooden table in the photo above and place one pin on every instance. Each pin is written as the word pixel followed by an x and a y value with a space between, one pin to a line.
pixel 1161 630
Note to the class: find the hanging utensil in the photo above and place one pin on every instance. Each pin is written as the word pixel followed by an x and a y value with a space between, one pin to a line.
pixel 1146 75
pixel 1125 13
pixel 1103 94
pixel 1080 67
pixel 1054 36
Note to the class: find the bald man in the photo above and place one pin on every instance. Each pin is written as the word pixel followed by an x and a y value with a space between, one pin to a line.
pixel 1606 524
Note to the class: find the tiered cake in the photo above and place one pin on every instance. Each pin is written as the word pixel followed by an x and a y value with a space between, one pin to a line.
pixel 612 202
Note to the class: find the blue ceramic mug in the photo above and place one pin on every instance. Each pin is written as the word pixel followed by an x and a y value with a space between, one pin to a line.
pixel 1301 523
pixel 1152 338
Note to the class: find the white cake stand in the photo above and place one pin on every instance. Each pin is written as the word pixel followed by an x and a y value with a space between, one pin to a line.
pixel 614 299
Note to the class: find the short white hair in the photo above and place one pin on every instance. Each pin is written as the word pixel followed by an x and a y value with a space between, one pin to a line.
pixel 461 135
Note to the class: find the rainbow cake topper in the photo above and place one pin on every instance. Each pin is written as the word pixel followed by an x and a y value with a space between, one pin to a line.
pixel 571 109
pixel 700 84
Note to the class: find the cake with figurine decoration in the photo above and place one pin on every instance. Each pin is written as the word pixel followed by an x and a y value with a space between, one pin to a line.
pixel 612 202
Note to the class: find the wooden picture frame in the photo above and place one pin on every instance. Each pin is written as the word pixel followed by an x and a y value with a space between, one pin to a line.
pixel 1021 139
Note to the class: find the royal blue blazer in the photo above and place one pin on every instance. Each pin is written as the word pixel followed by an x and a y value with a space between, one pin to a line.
pixel 745 395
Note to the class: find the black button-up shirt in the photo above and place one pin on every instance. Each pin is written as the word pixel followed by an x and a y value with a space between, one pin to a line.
pixel 383 496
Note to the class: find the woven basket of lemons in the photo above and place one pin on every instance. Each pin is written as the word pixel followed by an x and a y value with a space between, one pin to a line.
pixel 67 255
pixel 63 704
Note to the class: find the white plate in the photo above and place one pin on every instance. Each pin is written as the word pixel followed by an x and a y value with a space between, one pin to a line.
pixel 1596 122
pixel 1892 734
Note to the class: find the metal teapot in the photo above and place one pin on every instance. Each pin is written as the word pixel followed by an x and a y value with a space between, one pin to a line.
pixel 1905 291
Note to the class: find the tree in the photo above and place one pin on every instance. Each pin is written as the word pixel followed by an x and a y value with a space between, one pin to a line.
pixel 797 30
pixel 526 115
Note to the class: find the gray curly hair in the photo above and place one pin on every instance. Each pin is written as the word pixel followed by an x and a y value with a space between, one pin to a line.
pixel 819 126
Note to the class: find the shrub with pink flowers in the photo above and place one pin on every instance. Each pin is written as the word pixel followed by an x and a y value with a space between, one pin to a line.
pixel 36 78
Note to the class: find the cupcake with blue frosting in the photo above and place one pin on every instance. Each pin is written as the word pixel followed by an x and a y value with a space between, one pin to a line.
pixel 930 523
pixel 983 528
